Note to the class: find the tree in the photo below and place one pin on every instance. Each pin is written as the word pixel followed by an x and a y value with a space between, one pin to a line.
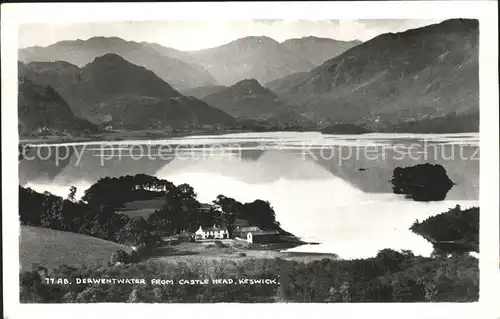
pixel 389 260
pixel 135 232
pixel 72 193
pixel 119 256
pixel 230 210
pixel 51 215
pixel 180 212
pixel 30 206
pixel 260 213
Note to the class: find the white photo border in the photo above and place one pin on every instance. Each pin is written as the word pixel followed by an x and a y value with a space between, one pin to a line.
pixel 486 11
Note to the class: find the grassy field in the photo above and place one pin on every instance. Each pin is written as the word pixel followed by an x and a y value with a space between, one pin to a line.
pixel 142 208
pixel 51 248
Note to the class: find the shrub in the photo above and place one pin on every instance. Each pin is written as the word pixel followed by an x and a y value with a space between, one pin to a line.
pixel 134 256
pixel 119 256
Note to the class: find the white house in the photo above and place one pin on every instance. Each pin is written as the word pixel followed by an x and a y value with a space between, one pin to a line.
pixel 213 232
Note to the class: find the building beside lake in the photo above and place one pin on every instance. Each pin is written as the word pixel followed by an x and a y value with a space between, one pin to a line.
pixel 263 236
pixel 213 232
pixel 241 232
pixel 253 234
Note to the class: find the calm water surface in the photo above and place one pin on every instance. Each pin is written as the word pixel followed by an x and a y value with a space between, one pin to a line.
pixel 326 188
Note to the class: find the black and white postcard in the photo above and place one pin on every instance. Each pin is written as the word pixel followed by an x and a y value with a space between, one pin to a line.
pixel 318 153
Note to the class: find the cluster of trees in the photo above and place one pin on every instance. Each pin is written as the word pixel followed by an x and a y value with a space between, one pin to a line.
pixel 454 231
pixel 114 192
pixel 67 214
pixel 95 214
pixel 391 276
pixel 258 213
pixel 180 212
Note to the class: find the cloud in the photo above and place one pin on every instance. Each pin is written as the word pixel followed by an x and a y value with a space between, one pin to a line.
pixel 195 35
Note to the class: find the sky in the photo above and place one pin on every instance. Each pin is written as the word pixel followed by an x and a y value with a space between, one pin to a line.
pixel 196 35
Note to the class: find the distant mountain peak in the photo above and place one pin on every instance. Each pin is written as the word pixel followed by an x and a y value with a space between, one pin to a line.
pixel 109 58
pixel 246 99
pixel 315 38
pixel 250 86
pixel 252 41
pixel 107 39
pixel 94 41
pixel 311 37
pixel 257 39
pixel 249 83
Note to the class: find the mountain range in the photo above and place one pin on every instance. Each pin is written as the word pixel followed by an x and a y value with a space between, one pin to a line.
pixel 421 80
pixel 176 72
pixel 393 78
pixel 261 58
pixel 114 91
pixel 265 59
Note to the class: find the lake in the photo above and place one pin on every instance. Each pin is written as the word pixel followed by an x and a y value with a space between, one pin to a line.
pixel 333 189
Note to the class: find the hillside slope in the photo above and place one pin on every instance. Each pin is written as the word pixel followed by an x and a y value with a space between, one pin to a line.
pixel 394 78
pixel 42 110
pixel 318 50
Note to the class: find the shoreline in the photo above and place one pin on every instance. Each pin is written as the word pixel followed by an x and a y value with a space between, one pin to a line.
pixel 146 135
pixel 118 137
pixel 230 249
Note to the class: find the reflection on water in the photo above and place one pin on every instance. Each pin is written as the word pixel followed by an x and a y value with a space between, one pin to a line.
pixel 334 190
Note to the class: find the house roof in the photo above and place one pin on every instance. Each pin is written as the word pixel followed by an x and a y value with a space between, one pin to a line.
pixel 212 228
pixel 248 229
pixel 264 232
